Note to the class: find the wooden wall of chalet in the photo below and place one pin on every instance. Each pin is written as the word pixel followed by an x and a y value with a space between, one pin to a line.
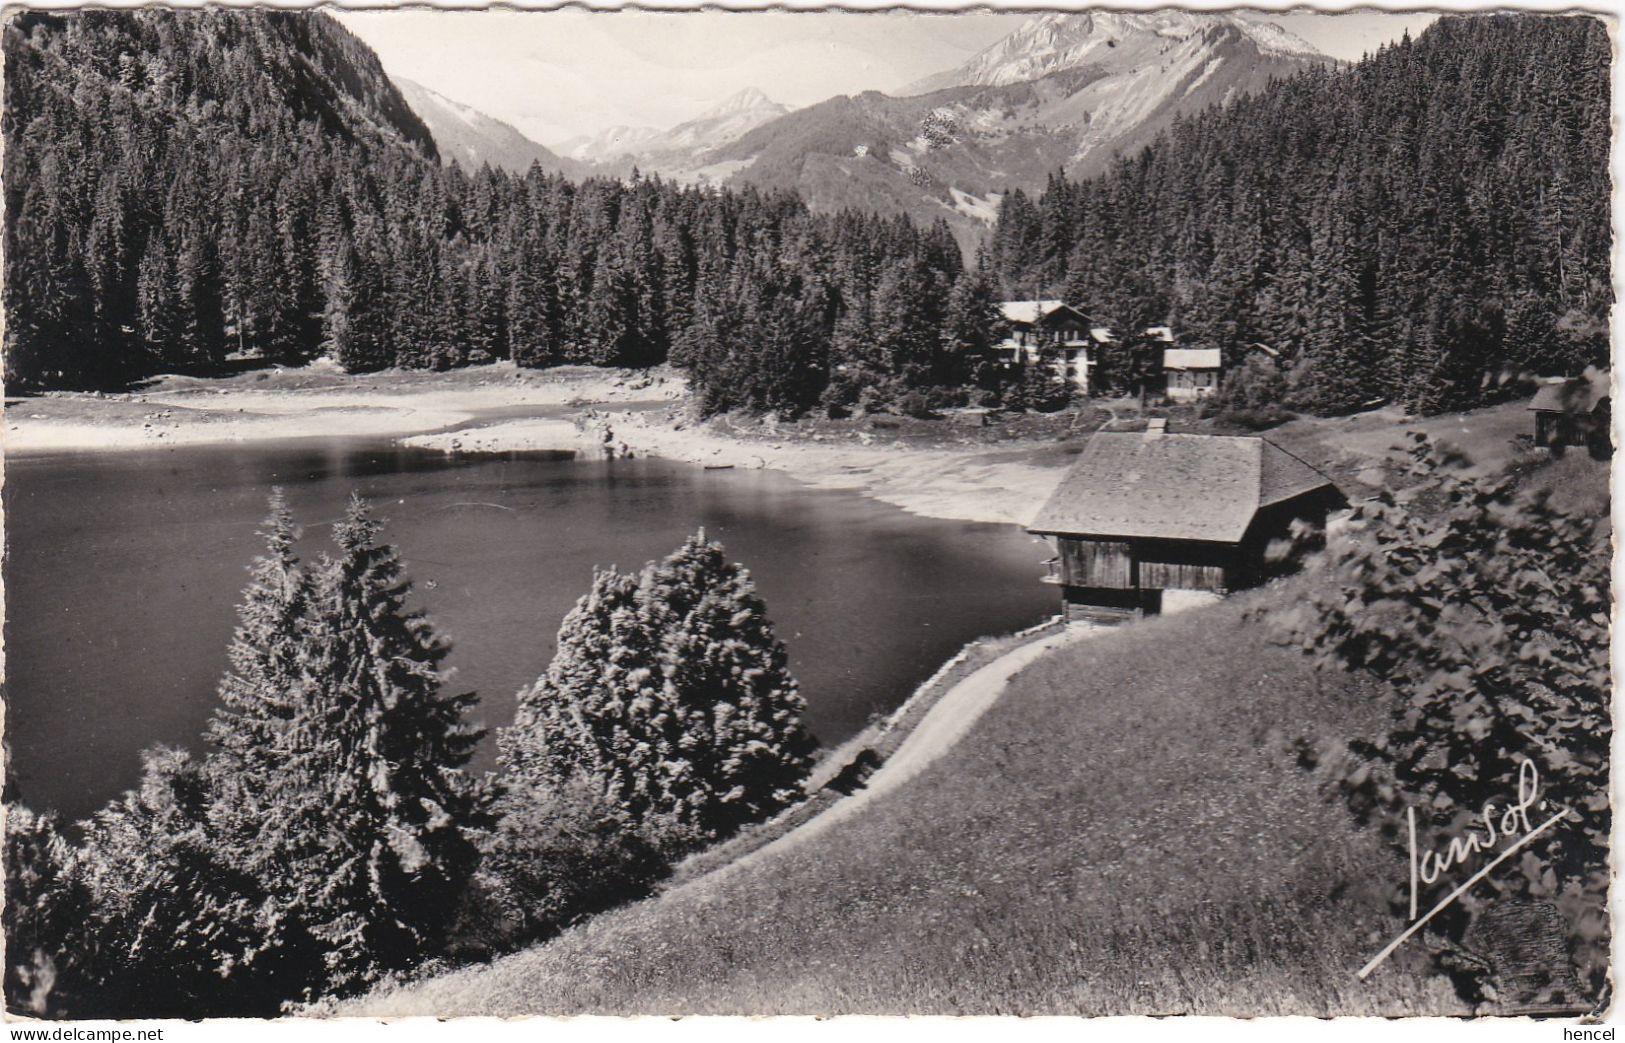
pixel 1146 564
pixel 1186 565
pixel 1273 523
pixel 1162 575
pixel 1096 563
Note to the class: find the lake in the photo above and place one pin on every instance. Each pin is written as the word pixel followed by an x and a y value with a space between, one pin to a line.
pixel 123 573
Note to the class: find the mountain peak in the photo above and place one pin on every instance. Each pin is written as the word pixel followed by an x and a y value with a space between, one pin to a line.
pixel 469 137
pixel 1055 41
pixel 740 101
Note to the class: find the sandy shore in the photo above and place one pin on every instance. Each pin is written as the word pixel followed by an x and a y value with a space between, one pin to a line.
pixel 311 401
pixel 938 472
pixel 990 484
pixel 587 411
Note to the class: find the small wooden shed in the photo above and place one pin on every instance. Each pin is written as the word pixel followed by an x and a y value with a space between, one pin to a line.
pixel 1193 373
pixel 1147 522
pixel 1577 411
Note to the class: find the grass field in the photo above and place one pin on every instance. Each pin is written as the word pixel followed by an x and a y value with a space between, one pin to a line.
pixel 1125 832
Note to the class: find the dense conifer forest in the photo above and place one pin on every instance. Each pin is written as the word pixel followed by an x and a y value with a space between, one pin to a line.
pixel 184 187
pixel 173 198
pixel 1402 230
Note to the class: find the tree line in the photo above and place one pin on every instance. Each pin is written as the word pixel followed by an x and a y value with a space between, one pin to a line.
pixel 171 206
pixel 332 836
pixel 1403 230
pixel 182 188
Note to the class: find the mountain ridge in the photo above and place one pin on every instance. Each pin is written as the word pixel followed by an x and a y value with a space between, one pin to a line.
pixel 1055 41
pixel 953 152
pixel 468 137
pixel 679 150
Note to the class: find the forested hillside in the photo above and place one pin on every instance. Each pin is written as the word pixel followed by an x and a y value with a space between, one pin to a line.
pixel 1402 230
pixel 186 185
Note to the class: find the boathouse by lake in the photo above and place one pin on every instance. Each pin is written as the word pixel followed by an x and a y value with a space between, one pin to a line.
pixel 1150 522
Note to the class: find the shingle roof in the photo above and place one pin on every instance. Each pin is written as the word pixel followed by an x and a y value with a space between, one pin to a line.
pixel 1173 486
pixel 1190 358
pixel 1579 395
pixel 1027 311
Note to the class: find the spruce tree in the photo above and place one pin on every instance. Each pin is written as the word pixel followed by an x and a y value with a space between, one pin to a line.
pixel 339 781
pixel 672 695
pixel 573 721
pixel 265 686
pixel 968 330
pixel 47 909
pixel 263 813
pixel 385 748
pixel 741 750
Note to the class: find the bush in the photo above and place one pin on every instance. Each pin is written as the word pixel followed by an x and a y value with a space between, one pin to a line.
pixel 1252 395
pixel 1259 418
pixel 876 396
pixel 840 395
pixel 556 856
pixel 948 397
pixel 1486 611
pixel 916 404
pixel 1039 391
pixel 46 914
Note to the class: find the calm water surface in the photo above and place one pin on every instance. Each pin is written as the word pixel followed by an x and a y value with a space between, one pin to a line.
pixel 123 571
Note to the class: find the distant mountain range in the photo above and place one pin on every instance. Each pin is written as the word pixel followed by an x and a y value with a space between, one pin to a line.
pixel 684 150
pixel 1064 92
pixel 1051 43
pixel 469 137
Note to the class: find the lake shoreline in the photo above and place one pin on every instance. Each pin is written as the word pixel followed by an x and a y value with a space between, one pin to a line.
pixel 487 409
pixel 1003 484
pixel 307 402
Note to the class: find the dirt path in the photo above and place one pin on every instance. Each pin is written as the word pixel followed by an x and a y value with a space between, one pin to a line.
pixel 937 732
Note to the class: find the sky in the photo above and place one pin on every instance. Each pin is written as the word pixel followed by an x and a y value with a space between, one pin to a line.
pixel 558 74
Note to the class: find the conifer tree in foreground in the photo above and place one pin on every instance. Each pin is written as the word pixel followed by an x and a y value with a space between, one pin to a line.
pixel 339 771
pixel 176 926
pixel 45 912
pixel 672 694
pixel 260 693
pixel 382 752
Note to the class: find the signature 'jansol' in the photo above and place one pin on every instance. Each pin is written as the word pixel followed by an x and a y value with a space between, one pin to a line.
pixel 1428 866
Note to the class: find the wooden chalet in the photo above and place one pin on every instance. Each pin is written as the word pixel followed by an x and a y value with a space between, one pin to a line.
pixel 1577 411
pixel 1192 373
pixel 1048 332
pixel 1152 522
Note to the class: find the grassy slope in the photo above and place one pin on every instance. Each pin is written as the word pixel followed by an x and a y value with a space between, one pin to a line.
pixel 1124 832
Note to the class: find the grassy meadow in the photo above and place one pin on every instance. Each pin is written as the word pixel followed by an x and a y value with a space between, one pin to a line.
pixel 1127 831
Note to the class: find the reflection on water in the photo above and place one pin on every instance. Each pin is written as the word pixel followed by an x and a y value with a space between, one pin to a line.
pixel 124 569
